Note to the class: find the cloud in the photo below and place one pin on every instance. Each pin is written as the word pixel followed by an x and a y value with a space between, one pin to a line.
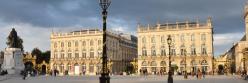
pixel 123 15
pixel 32 36
pixel 223 42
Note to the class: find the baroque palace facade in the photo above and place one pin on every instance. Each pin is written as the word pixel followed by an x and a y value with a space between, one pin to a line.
pixel 80 52
pixel 192 45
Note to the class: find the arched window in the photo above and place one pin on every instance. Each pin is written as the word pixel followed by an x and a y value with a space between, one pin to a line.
pixel 91 69
pixel 83 68
pixel 153 63
pixel 182 62
pixel 163 63
pixel 144 63
pixel 204 62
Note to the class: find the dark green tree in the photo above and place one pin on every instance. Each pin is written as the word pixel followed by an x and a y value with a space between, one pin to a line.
pixel 46 56
pixel 14 41
pixel 36 52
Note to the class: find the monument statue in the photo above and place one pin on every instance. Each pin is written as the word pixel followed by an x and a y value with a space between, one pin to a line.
pixel 13 54
pixel 14 41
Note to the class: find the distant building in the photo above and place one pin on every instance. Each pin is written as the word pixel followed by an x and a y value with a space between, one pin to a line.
pixel 193 39
pixel 238 53
pixel 80 52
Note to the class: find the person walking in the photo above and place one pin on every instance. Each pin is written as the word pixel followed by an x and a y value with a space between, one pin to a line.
pixel 24 74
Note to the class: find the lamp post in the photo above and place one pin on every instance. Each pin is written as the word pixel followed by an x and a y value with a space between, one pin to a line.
pixel 185 65
pixel 105 72
pixel 170 78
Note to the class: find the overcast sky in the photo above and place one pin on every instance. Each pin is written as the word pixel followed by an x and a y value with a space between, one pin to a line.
pixel 35 19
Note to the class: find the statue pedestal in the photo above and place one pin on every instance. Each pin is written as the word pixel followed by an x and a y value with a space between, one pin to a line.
pixel 13 61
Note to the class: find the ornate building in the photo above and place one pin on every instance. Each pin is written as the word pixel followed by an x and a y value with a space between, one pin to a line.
pixel 192 45
pixel 79 52
pixel 29 61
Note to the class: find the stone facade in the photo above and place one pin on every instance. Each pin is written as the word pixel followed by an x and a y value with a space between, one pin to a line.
pixel 79 52
pixel 191 41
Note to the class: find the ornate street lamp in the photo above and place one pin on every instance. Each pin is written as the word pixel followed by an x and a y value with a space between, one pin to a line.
pixel 185 64
pixel 170 78
pixel 105 72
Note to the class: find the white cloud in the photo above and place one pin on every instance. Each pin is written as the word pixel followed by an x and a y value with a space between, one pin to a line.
pixel 223 42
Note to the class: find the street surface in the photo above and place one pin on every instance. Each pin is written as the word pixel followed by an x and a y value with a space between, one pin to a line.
pixel 121 79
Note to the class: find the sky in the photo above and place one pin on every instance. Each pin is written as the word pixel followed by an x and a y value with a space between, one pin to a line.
pixel 34 20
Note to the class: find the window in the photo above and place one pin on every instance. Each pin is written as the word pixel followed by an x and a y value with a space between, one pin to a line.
pixel 55 45
pixel 173 50
pixel 144 53
pixel 55 55
pixel 84 54
pixel 62 44
pixel 99 52
pixel 91 53
pixel 69 44
pixel 83 43
pixel 193 50
pixel 173 38
pixel 91 43
pixel 182 50
pixel 62 55
pixel 203 37
pixel 163 52
pixel 99 42
pixel 204 49
pixel 153 40
pixel 76 55
pixel 182 38
pixel 69 55
pixel 143 40
pixel 83 68
pixel 91 69
pixel 76 44
pixel 192 37
pixel 153 51
pixel 162 39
